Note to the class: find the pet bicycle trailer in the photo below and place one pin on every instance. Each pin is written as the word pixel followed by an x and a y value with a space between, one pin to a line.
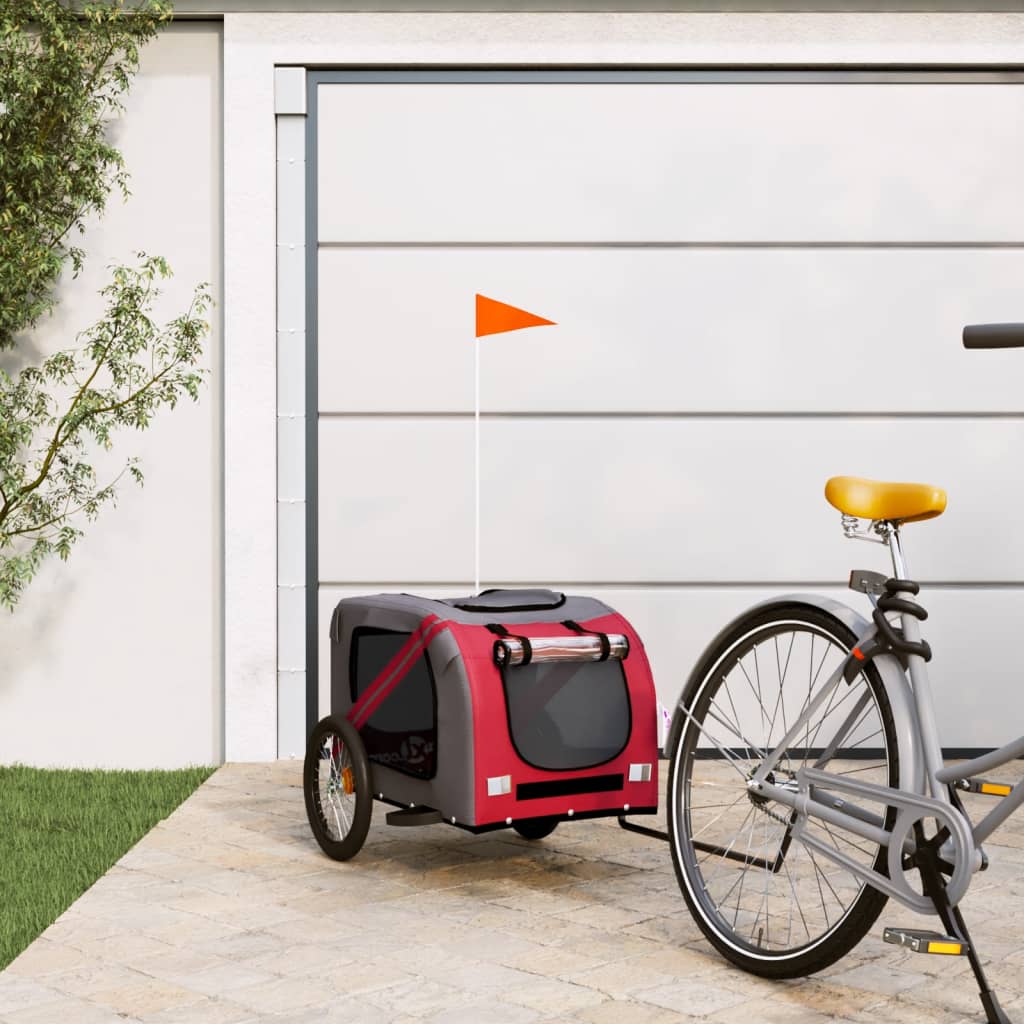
pixel 514 708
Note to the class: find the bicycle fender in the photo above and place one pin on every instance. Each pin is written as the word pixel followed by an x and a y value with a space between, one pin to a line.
pixel 894 679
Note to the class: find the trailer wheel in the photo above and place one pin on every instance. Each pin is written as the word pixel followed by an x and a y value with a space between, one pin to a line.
pixel 536 828
pixel 336 783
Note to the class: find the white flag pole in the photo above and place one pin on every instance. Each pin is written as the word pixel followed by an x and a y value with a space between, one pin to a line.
pixel 476 464
pixel 509 318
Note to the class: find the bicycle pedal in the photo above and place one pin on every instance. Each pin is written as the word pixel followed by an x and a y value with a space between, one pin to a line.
pixel 918 941
pixel 984 786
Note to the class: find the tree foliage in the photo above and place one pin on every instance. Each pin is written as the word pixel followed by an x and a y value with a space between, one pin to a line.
pixel 51 415
pixel 64 68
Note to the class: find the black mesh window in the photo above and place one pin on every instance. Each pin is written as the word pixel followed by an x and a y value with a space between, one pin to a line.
pixel 402 732
pixel 568 716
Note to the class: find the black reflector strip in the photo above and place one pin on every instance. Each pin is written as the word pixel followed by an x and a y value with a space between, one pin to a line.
pixel 569 787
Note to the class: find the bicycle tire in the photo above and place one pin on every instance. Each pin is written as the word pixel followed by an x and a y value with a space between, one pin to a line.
pixel 737 647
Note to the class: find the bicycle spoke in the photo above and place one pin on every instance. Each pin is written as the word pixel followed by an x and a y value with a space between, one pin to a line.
pixel 779 703
pixel 756 692
pixel 866 768
pixel 722 857
pixel 743 875
pixel 748 746
pixel 718 816
pixel 818 877
pixel 732 761
pixel 796 900
pixel 849 842
pixel 332 801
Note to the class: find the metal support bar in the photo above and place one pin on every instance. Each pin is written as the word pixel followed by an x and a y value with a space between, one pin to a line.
pixel 986 762
pixel 642 830
pixel 953 922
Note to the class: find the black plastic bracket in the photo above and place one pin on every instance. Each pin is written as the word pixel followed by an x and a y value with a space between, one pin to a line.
pixel 412 816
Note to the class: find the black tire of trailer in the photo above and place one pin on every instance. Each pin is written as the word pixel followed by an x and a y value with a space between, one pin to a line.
pixel 352 841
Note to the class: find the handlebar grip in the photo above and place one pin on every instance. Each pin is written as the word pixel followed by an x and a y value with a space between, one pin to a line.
pixel 994 336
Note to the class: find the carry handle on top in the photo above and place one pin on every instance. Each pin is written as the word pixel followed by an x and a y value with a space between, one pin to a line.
pixel 510 601
pixel 994 336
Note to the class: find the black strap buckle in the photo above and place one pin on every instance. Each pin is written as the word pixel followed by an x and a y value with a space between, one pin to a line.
pixel 606 646
pixel 501 651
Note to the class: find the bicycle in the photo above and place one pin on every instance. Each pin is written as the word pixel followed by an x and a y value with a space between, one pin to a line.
pixel 789 832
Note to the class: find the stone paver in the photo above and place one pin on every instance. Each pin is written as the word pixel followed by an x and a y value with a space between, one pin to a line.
pixel 228 913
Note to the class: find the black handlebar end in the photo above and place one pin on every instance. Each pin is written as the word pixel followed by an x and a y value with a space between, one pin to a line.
pixel 994 336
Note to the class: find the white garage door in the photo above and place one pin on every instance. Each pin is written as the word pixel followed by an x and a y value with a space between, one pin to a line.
pixel 758 282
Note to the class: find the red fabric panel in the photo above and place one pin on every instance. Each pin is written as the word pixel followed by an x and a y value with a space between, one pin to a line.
pixel 495 755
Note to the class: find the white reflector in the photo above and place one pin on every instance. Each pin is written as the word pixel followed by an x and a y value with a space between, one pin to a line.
pixel 499 785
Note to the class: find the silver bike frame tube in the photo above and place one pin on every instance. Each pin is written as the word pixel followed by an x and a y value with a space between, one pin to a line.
pixel 899 562
pixel 920 683
pixel 993 759
pixel 999 814
pixel 927 728
pixel 807 805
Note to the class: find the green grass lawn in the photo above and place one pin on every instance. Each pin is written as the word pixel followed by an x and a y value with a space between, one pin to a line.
pixel 61 830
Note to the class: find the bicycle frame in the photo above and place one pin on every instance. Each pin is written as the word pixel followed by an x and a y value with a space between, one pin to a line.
pixel 927 782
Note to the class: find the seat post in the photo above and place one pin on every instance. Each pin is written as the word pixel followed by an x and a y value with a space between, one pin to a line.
pixel 899 562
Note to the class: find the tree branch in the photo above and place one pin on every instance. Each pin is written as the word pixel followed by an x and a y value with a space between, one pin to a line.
pixel 57 440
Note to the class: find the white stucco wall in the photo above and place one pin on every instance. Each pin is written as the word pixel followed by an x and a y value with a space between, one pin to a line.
pixel 115 657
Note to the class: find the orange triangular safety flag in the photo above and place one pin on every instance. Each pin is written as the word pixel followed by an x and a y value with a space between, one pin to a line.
pixel 493 317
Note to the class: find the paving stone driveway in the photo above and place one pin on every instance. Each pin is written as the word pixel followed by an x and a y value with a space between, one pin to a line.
pixel 228 913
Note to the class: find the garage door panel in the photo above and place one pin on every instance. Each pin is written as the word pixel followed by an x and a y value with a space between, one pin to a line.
pixel 676 624
pixel 396 499
pixel 656 499
pixel 643 330
pixel 540 162
pixel 742 499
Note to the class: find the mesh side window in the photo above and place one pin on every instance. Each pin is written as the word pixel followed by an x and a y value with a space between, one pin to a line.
pixel 402 732
pixel 568 716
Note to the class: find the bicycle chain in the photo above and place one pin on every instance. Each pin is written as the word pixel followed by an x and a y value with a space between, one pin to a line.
pixel 777 817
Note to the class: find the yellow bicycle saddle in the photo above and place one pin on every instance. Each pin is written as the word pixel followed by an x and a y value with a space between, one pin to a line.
pixel 897 503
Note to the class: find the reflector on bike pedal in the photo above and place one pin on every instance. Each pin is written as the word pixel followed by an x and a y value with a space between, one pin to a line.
pixel 994 789
pixel 918 941
pixel 984 787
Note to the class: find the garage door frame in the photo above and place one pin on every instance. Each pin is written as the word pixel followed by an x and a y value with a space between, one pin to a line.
pixel 315 77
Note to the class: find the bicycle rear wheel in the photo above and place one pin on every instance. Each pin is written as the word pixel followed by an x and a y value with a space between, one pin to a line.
pixel 767 902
